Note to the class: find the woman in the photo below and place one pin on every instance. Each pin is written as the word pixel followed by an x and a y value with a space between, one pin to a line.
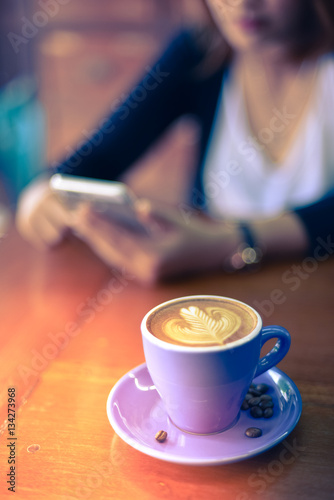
pixel 262 94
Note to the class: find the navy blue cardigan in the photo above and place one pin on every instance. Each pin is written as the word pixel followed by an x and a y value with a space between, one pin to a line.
pixel 168 90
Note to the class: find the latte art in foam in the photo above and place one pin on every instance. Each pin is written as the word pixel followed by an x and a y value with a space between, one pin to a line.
pixel 202 321
pixel 213 326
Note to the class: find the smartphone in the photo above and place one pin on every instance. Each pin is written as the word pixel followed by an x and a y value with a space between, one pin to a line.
pixel 113 200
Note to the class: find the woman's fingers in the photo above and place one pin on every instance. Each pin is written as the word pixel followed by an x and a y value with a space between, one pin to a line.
pixel 103 237
pixel 101 242
pixel 58 213
pixel 40 217
pixel 138 254
pixel 158 218
pixel 49 232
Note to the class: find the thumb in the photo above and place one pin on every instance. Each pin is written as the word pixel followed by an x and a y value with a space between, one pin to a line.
pixel 166 216
pixel 149 215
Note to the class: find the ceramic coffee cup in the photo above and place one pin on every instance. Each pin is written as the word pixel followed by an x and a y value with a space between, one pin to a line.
pixel 202 353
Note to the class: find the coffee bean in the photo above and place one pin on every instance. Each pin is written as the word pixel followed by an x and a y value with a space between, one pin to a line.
pixel 253 401
pixel 161 436
pixel 262 388
pixel 253 391
pixel 253 432
pixel 260 404
pixel 245 405
pixel 266 404
pixel 265 397
pixel 256 412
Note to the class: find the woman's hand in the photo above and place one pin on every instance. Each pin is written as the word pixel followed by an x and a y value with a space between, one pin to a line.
pixel 40 217
pixel 172 245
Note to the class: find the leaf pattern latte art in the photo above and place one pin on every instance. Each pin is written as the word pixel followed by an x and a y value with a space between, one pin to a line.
pixel 211 326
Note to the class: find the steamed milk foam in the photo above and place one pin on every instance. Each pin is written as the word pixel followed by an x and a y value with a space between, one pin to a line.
pixel 202 322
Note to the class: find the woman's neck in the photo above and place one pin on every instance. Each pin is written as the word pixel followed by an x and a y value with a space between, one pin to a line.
pixel 275 82
pixel 278 67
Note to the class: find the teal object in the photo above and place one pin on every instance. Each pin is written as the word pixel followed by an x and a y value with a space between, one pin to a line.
pixel 22 135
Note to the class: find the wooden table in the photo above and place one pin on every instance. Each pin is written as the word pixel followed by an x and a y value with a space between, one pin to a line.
pixel 65 446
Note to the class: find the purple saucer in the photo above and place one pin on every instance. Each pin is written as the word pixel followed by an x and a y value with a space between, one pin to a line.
pixel 137 413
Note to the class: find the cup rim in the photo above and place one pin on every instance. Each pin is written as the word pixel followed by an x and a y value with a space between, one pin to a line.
pixel 196 350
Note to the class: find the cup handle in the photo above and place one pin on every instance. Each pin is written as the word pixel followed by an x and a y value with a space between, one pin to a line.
pixel 279 350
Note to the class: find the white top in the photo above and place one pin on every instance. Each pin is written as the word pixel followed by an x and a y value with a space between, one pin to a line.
pixel 239 179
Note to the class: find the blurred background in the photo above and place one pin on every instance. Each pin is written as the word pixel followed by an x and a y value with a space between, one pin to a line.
pixel 64 64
